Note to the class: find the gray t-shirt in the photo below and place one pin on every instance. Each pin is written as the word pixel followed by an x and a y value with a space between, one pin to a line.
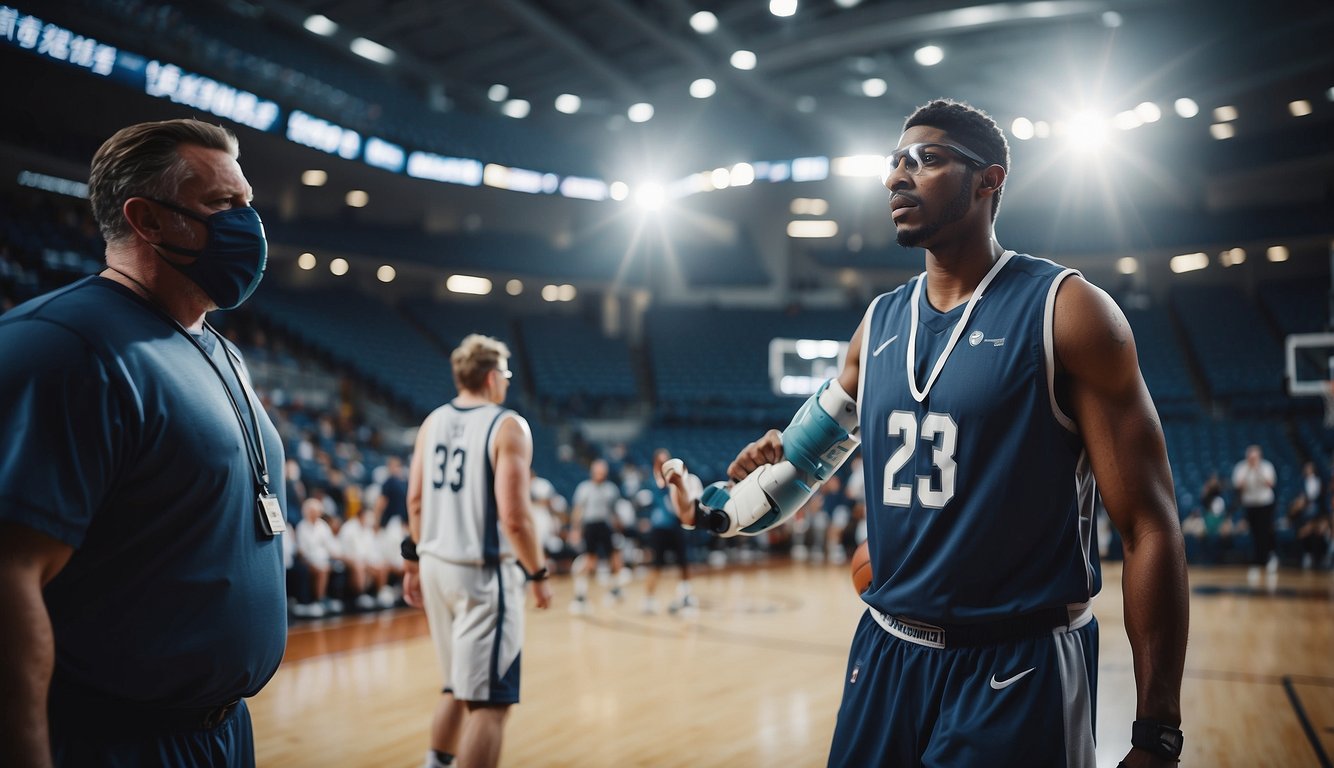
pixel 598 500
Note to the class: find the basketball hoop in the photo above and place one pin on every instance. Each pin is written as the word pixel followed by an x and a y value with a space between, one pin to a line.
pixel 1328 394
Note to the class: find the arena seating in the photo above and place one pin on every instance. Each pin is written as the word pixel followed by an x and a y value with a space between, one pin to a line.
pixel 1241 359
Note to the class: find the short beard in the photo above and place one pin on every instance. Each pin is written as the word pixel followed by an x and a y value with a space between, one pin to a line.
pixel 955 210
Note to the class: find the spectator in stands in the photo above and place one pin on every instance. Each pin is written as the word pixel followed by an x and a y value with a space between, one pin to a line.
pixel 1217 525
pixel 295 490
pixel 141 577
pixel 592 527
pixel 1254 479
pixel 393 501
pixel 359 542
pixel 549 516
pixel 1309 518
pixel 318 548
pixel 838 512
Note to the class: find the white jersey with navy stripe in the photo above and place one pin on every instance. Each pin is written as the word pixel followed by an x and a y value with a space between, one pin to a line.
pixel 459 519
pixel 979 494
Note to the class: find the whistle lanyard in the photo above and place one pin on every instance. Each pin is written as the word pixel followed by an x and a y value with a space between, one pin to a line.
pixel 256 456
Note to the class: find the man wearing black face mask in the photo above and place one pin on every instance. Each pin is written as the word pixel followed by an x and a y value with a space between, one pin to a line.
pixel 141 574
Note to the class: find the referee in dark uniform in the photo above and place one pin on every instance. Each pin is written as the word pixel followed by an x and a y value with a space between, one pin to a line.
pixel 141 571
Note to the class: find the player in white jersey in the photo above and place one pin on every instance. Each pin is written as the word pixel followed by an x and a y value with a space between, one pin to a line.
pixel 471 528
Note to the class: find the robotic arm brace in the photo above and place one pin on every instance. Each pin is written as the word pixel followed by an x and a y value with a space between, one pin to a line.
pixel 821 437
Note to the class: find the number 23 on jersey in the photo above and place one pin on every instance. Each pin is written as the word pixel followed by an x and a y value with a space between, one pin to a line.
pixel 938 431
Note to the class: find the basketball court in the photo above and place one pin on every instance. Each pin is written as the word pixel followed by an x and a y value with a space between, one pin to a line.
pixel 755 678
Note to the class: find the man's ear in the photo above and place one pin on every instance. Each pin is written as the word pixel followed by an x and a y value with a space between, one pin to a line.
pixel 144 218
pixel 993 176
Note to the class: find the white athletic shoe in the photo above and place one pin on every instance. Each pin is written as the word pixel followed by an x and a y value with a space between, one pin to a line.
pixel 386 597
pixel 1272 565
pixel 315 610
pixel 579 606
pixel 365 603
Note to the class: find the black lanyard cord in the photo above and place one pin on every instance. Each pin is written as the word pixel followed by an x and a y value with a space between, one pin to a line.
pixel 256 456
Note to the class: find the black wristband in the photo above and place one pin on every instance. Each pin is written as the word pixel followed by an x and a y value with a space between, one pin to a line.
pixel 541 574
pixel 409 549
pixel 1157 739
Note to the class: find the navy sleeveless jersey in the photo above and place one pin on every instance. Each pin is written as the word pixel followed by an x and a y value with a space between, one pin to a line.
pixel 979 495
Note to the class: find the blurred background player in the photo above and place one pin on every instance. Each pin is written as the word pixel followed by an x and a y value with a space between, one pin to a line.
pixel 468 515
pixel 667 539
pixel 1254 478
pixel 591 526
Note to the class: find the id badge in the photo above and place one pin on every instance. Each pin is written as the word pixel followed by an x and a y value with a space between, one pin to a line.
pixel 271 515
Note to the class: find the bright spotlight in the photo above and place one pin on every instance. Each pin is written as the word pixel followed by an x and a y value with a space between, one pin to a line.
pixel 1041 129
pixel 478 286
pixel 1222 131
pixel 386 273
pixel 1188 262
pixel 1086 132
pixel 640 113
pixel 498 93
pixel 516 108
pixel 744 59
pixel 568 103
pixel 782 8
pixel 320 24
pixel 565 292
pixel 314 178
pixel 1111 19
pixel 1225 114
pixel 1277 253
pixel 1186 107
pixel 1022 128
pixel 742 174
pixel 650 196
pixel 1299 108
pixel 929 55
pixel 1149 112
pixel 1127 265
pixel 874 87
pixel 1127 120
pixel 338 266
pixel 306 261
pixel 618 190
pixel 704 22
pixel 721 178
pixel 357 198
pixel 514 287
pixel 369 49
pixel 550 293
pixel 703 88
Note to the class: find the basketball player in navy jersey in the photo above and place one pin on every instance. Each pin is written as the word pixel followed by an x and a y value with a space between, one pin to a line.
pixel 476 552
pixel 987 394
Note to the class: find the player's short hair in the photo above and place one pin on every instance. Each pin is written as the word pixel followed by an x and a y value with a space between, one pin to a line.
pixel 475 357
pixel 973 128
pixel 143 161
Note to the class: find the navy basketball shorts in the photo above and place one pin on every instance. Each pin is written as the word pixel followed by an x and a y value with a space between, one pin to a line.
pixel 230 744
pixel 665 543
pixel 597 539
pixel 1025 703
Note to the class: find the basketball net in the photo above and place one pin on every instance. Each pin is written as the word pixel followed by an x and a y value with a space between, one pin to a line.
pixel 1328 394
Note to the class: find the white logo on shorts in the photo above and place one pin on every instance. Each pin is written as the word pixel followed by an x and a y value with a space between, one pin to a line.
pixel 996 685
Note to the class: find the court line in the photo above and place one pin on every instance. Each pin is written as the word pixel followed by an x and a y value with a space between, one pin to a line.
pixel 1311 735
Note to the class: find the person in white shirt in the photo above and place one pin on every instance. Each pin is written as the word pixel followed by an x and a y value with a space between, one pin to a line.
pixel 359 539
pixel 317 546
pixel 1254 479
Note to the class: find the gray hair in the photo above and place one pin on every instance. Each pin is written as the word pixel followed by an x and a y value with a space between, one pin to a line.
pixel 143 161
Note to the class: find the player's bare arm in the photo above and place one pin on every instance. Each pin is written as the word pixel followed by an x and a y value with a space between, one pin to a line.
pixel 513 458
pixel 1099 381
pixel 412 593
pixel 28 561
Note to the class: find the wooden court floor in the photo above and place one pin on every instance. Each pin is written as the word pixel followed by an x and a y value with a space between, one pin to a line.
pixel 754 679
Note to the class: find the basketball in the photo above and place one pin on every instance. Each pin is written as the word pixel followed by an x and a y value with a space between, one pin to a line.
pixel 861 568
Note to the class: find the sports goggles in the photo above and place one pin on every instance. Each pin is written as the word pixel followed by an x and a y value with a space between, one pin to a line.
pixel 923 155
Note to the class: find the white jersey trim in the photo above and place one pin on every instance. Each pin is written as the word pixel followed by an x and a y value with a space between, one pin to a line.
pixel 866 344
pixel 1049 347
pixel 920 394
